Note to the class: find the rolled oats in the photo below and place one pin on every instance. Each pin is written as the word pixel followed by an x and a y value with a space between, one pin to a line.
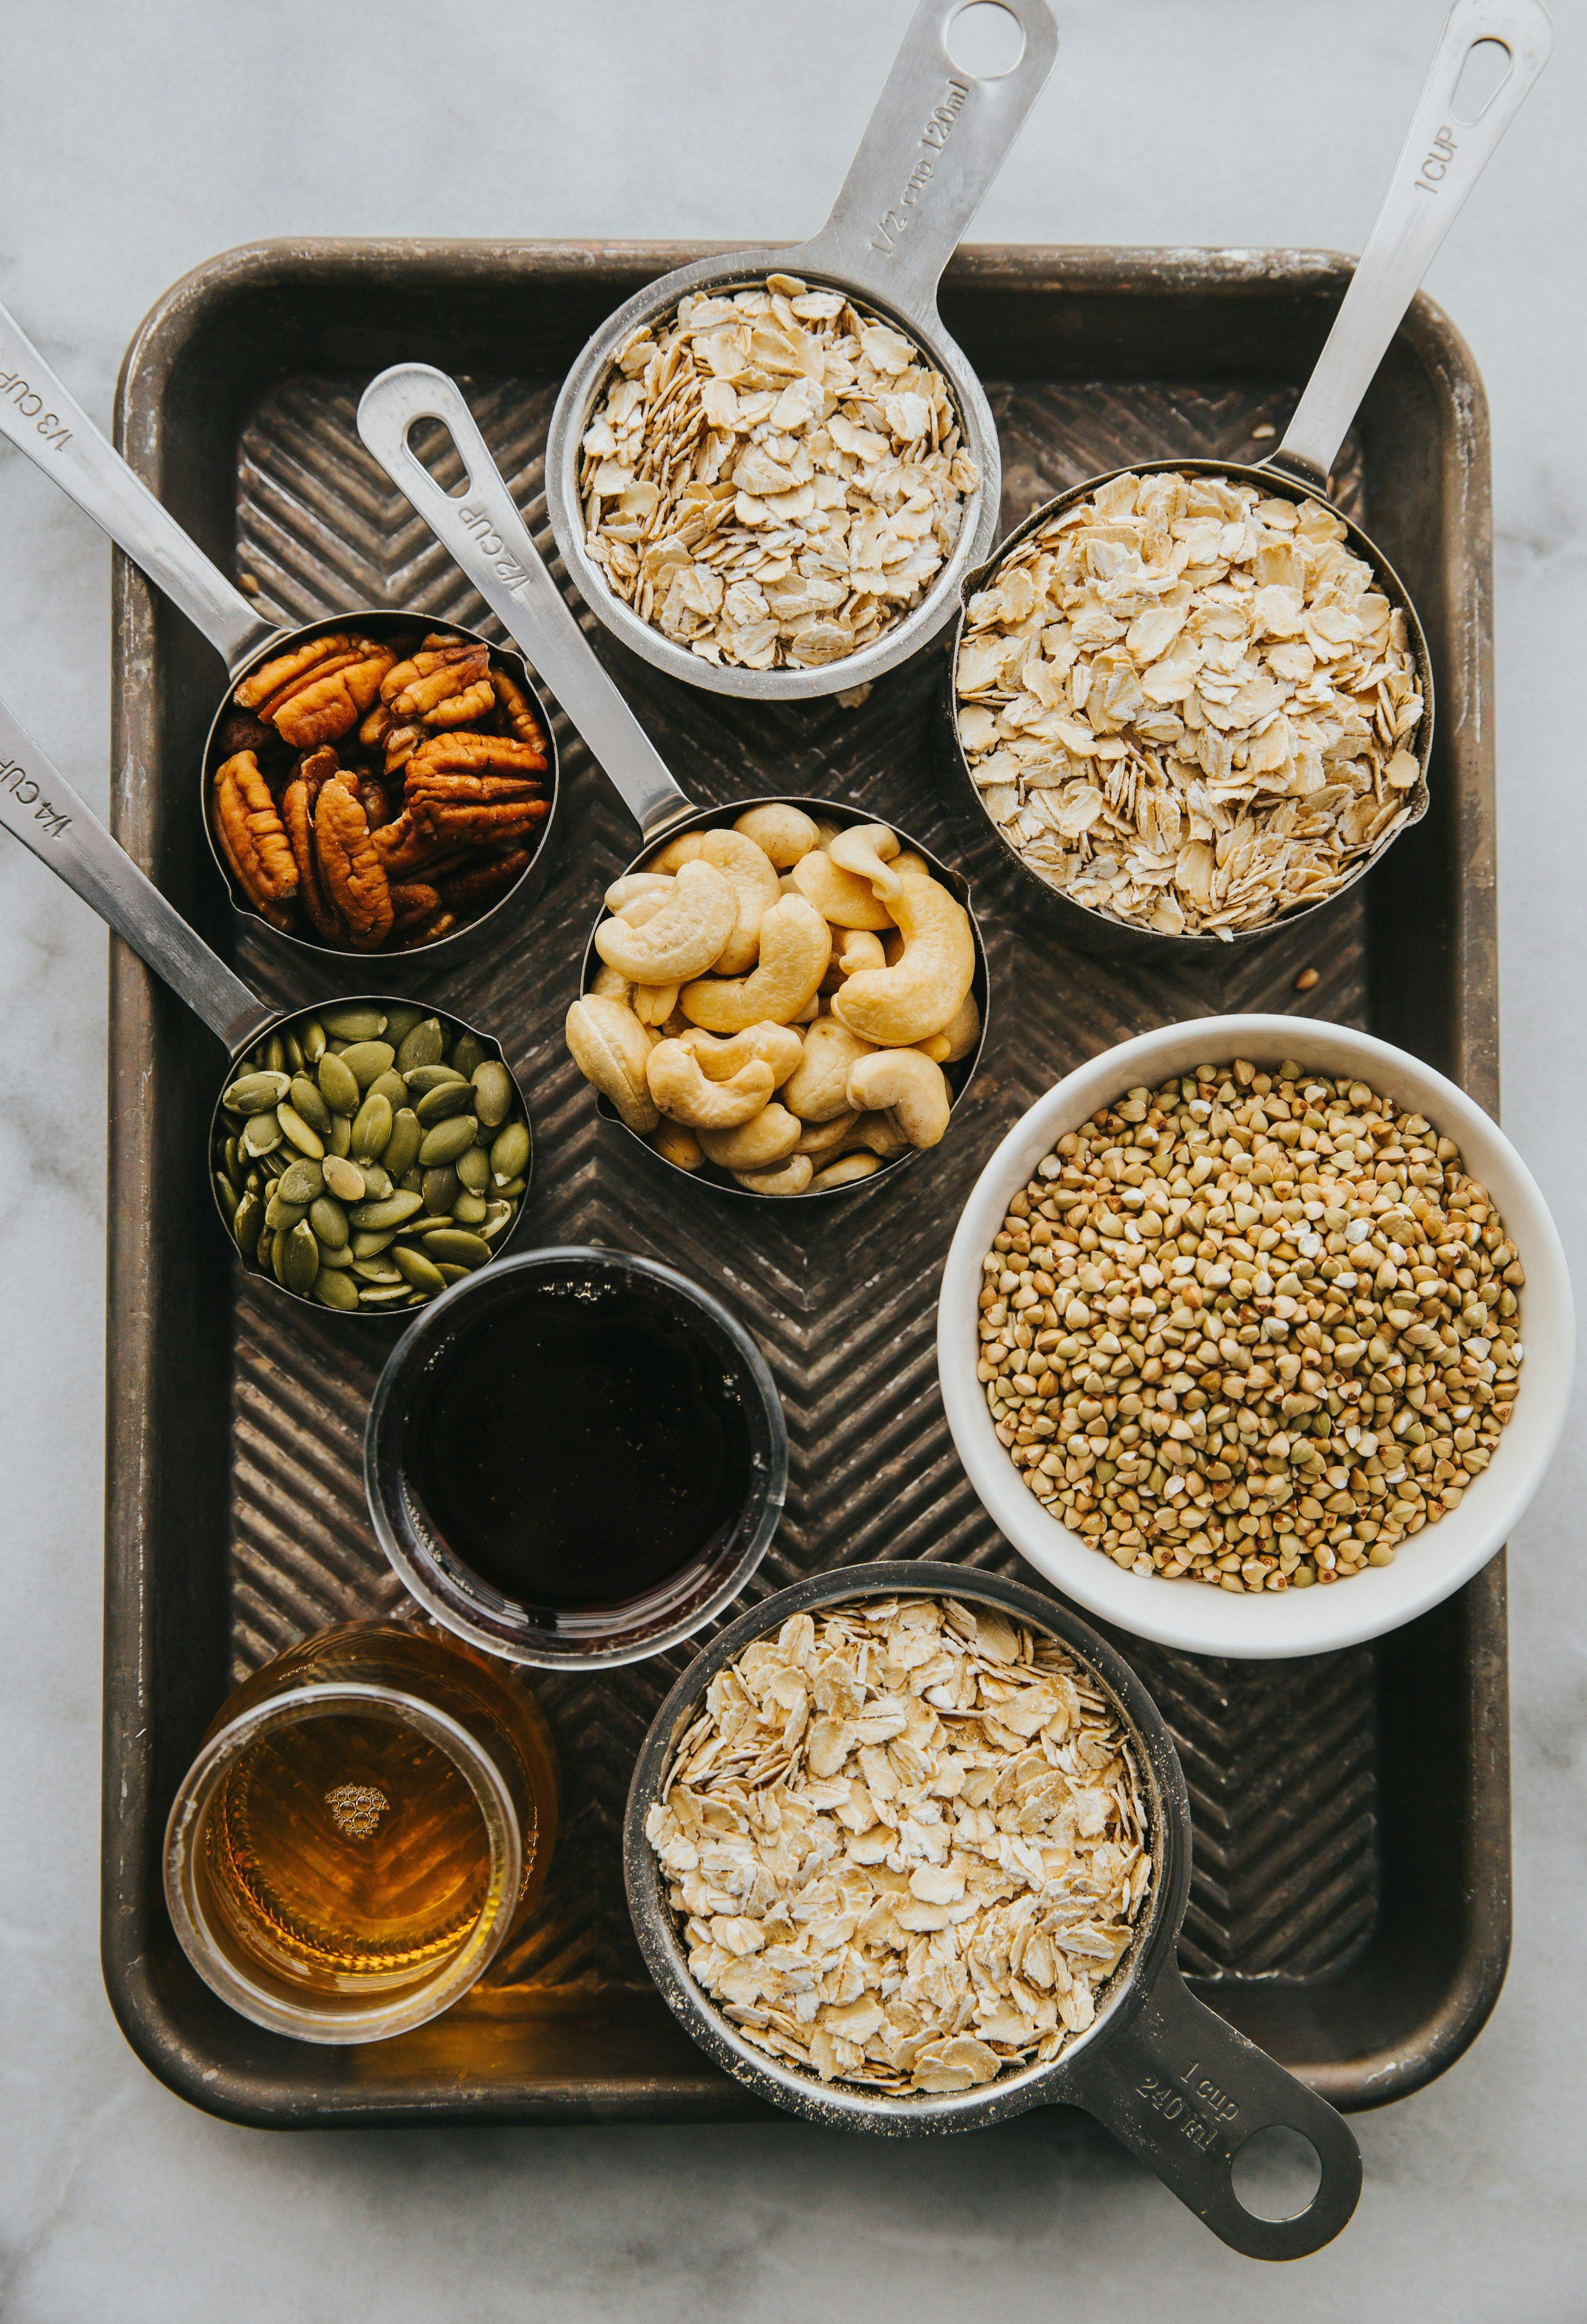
pixel 907 1843
pixel 774 477
pixel 1188 706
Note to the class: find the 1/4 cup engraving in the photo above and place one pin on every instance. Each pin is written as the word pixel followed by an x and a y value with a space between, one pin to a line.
pixel 14 778
pixel 939 127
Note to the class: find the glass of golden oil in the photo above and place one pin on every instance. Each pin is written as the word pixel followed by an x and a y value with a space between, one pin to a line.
pixel 368 1819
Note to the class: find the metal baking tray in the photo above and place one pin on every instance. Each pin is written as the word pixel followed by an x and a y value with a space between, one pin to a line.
pixel 1351 1908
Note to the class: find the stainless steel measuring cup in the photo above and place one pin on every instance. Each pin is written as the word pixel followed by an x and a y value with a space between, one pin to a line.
pixel 39 807
pixel 932 146
pixel 1440 163
pixel 485 533
pixel 1166 2075
pixel 41 417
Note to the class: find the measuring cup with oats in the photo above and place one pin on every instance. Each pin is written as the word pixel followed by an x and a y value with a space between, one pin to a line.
pixel 1193 697
pixel 908 1849
pixel 769 472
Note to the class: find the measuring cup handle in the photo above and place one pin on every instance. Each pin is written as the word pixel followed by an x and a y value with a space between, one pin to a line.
pixel 1185 2091
pixel 490 540
pixel 1440 163
pixel 39 807
pixel 933 144
pixel 44 420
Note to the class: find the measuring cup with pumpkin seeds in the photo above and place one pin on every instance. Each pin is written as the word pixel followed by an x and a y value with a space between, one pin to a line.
pixel 363 1153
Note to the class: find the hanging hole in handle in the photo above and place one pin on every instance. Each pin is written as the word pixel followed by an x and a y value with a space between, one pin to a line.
pixel 986 40
pixel 1489 65
pixel 433 445
pixel 1277 2173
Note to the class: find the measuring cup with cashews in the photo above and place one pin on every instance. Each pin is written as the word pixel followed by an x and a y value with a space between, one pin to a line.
pixel 783 997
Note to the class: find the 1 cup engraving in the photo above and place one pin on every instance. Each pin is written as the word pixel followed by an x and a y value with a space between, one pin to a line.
pixel 1435 167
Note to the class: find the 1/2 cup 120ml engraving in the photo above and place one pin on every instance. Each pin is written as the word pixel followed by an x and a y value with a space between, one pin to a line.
pixel 938 129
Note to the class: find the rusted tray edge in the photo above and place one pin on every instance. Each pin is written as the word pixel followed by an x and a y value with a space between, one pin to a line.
pixel 130 1892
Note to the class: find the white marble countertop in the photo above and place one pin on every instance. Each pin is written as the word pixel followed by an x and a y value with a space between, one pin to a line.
pixel 139 141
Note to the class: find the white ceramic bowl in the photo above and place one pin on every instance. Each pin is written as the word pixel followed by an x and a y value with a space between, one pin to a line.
pixel 1430 1566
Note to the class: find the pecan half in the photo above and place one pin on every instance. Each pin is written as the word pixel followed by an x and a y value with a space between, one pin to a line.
pixel 517 714
pixel 443 686
pixel 478 884
pixel 412 903
pixel 439 923
pixel 476 789
pixel 241 730
pixel 319 692
pixel 350 865
pixel 409 853
pixel 299 801
pixel 253 840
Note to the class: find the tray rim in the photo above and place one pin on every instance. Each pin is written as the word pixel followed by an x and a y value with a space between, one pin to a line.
pixel 152 357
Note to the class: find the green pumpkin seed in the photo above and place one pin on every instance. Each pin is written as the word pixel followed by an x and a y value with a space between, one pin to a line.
pixel 302 1182
pixel 294 1049
pixel 279 1238
pixel 341 1135
pixel 494 1090
pixel 377 1295
pixel 448 1141
pixel 392 1087
pixel 281 1217
pixel 422 1079
pixel 353 1023
pixel 334 1290
pixel 412 1181
pixel 304 1096
pixel 345 1179
pixel 498 1216
pixel 371 1127
pixel 265 1249
pixel 338 1085
pixel 262 1134
pixel 469 1210
pixel 377 1182
pixel 441 1104
pixel 423 1222
pixel 462 1249
pixel 233 1163
pixel 423 1044
pixel 388 1213
pixel 311 1035
pixel 439 1188
pixel 258 1092
pixel 226 1195
pixel 401 1016
pixel 367 1060
pixel 368 1245
pixel 422 1273
pixel 377 1270
pixel 275 1056
pixel 302 1264
pixel 450 1274
pixel 330 1223
pixel 402 1146
pixel 306 1142
pixel 510 1153
pixel 469 1054
pixel 333 1254
pixel 513 1191
pixel 473 1169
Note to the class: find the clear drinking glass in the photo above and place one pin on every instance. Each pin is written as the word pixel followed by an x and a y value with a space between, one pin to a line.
pixel 368 1819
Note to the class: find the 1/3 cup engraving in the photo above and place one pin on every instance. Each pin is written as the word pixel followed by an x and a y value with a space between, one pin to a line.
pixel 15 388
pixel 939 127
pixel 503 563
pixel 15 779
pixel 1436 165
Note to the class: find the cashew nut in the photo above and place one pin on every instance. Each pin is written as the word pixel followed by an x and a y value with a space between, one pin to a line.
pixel 608 985
pixel 795 945
pixel 679 1146
pixel 880 1134
pixel 821 1140
pixel 776 1046
pixel 818 1091
pixel 955 1040
pixel 923 994
pixel 836 894
pixel 687 934
pixel 865 850
pixel 786 832
pixel 632 885
pixel 611 1049
pixel 682 1092
pixel 908 1086
pixel 769 1137
pixel 652 1004
pixel 748 870
pixel 792 1178
pixel 860 949
pixel 846 1172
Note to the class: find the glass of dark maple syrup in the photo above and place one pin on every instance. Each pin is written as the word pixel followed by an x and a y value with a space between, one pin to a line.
pixel 575 1459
